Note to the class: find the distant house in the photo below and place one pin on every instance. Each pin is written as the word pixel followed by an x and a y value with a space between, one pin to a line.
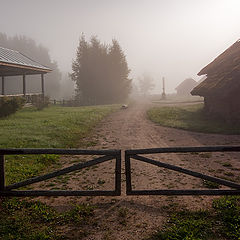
pixel 221 88
pixel 185 87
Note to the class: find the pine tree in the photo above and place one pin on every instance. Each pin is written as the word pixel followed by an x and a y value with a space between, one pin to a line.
pixel 120 82
pixel 100 72
pixel 78 66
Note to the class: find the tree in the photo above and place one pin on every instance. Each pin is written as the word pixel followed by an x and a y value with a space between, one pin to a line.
pixel 28 47
pixel 146 84
pixel 100 72
pixel 79 68
pixel 119 71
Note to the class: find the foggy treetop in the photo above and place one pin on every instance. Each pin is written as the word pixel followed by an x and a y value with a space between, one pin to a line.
pixel 100 72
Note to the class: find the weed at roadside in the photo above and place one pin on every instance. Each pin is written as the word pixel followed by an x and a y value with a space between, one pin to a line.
pixel 186 225
pixel 211 185
pixel 122 216
pixel 228 211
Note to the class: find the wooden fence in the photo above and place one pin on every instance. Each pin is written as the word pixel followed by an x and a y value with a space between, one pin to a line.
pixel 58 102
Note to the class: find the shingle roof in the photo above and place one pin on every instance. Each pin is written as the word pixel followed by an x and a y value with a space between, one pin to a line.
pixel 223 74
pixel 11 60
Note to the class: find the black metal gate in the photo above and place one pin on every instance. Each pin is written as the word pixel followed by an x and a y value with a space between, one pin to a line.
pixel 135 154
pixel 107 155
pixel 104 155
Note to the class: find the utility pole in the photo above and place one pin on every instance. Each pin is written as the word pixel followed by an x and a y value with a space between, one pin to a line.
pixel 163 89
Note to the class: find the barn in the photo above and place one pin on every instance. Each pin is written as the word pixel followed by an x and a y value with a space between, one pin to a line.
pixel 221 88
pixel 185 87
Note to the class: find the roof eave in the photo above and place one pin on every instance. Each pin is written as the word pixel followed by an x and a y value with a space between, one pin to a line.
pixel 23 67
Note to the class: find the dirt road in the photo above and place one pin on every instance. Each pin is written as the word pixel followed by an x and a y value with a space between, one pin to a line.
pixel 128 217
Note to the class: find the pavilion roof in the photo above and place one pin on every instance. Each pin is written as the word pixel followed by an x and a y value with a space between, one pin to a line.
pixel 14 63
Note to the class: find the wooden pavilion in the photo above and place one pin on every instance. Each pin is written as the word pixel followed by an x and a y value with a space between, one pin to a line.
pixel 14 63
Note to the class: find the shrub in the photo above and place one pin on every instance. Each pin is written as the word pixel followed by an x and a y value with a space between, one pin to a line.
pixel 40 102
pixel 9 105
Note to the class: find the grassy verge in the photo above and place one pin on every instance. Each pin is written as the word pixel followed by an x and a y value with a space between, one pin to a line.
pixel 53 127
pixel 222 222
pixel 190 118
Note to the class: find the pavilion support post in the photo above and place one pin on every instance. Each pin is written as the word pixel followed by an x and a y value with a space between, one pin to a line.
pixel 3 85
pixel 42 81
pixel 24 85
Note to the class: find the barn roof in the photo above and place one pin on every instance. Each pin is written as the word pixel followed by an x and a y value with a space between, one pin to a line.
pixel 223 74
pixel 189 82
pixel 14 63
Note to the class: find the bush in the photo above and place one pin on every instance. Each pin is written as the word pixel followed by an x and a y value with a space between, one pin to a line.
pixel 9 105
pixel 40 102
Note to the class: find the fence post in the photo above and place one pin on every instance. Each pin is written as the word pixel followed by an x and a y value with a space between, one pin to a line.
pixel 2 173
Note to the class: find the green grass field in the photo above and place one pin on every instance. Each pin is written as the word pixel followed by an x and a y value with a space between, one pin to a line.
pixel 190 118
pixel 53 127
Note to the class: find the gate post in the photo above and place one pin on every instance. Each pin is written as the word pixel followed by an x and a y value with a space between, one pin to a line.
pixel 128 174
pixel 118 174
pixel 2 173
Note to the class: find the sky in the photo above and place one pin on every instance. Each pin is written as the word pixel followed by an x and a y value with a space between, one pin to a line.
pixel 174 39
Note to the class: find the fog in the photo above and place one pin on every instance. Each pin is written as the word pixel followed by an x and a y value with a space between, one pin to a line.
pixel 165 38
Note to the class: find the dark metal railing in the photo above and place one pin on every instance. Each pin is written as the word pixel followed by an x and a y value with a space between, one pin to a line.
pixel 134 154
pixel 104 155
pixel 107 155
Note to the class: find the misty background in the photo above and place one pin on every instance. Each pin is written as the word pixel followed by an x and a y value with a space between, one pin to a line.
pixel 161 38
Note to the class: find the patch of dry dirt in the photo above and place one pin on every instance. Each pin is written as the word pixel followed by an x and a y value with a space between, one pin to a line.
pixel 135 217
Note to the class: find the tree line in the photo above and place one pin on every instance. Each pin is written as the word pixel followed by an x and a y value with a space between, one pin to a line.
pixel 100 72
